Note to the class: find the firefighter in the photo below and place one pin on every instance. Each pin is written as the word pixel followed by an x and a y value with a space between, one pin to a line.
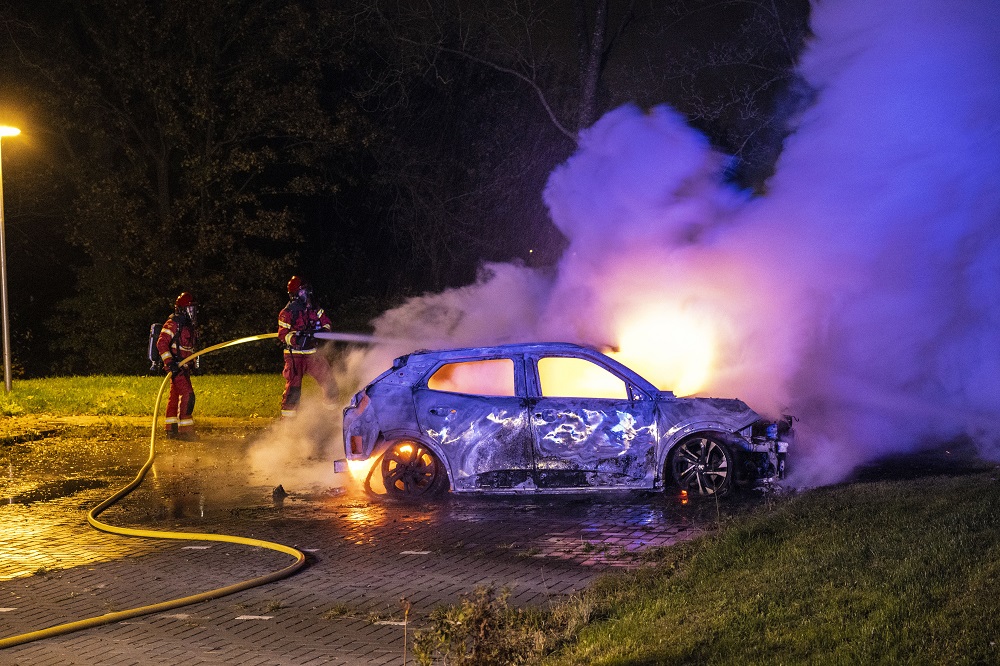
pixel 298 323
pixel 175 343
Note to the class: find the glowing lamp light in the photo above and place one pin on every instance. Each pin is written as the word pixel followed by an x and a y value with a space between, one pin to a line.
pixel 8 131
pixel 671 347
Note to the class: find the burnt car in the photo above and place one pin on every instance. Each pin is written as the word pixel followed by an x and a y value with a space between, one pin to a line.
pixel 548 417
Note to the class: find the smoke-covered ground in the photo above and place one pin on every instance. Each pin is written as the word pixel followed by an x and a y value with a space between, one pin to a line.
pixel 297 453
pixel 858 294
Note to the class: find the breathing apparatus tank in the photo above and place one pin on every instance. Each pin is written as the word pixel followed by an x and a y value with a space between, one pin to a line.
pixel 155 363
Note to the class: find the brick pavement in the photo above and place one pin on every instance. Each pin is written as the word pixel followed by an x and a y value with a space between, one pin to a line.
pixel 343 608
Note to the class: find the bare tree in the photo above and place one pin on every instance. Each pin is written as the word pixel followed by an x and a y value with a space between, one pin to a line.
pixel 737 83
pixel 482 100
pixel 540 43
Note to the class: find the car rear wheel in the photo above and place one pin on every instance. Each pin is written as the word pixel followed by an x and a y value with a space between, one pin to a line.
pixel 702 465
pixel 411 470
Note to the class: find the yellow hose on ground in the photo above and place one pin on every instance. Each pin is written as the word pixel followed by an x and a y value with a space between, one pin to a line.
pixel 107 618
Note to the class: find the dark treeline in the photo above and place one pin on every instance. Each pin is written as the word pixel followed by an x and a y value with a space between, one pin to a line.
pixel 382 149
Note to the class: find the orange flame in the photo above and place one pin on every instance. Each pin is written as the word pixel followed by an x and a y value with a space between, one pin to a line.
pixel 671 346
pixel 358 469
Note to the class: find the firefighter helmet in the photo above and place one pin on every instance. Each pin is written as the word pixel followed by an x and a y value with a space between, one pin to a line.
pixel 183 301
pixel 185 305
pixel 300 289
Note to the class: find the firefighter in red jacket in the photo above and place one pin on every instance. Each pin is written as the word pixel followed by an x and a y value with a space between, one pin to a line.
pixel 175 343
pixel 298 322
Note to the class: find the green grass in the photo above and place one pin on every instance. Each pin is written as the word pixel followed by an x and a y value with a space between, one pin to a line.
pixel 887 572
pixel 241 396
pixel 904 572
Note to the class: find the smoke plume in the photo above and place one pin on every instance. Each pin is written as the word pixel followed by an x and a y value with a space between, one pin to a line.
pixel 859 294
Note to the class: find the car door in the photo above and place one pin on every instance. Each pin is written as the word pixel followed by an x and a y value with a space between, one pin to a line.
pixel 475 411
pixel 590 427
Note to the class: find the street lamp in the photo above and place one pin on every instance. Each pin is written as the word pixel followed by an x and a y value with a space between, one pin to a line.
pixel 4 131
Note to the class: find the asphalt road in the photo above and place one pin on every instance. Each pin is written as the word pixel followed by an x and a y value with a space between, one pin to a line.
pixel 364 556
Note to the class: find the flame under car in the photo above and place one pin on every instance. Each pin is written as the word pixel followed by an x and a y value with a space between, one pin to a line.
pixel 548 417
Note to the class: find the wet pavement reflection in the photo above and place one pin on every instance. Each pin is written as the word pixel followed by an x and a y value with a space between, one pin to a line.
pixel 208 485
pixel 53 476
pixel 51 490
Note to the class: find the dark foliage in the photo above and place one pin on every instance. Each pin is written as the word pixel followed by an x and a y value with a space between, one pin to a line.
pixel 381 151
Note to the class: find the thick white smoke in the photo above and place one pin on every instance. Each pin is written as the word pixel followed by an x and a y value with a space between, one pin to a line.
pixel 886 210
pixel 859 293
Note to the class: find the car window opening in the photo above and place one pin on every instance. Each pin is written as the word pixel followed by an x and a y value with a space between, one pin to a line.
pixel 493 377
pixel 564 377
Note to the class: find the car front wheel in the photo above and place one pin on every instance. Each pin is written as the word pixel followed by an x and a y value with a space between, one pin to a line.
pixel 411 470
pixel 702 465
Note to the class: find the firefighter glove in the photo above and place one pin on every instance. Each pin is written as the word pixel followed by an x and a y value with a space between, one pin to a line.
pixel 174 368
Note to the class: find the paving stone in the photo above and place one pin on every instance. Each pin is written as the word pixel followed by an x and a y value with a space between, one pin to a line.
pixel 54 568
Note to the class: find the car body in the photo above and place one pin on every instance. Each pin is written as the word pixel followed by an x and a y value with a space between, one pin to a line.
pixel 548 417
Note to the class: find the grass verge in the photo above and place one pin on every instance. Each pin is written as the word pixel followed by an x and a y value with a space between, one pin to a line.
pixel 882 572
pixel 241 396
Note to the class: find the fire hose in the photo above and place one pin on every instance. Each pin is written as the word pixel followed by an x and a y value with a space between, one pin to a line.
pixel 92 518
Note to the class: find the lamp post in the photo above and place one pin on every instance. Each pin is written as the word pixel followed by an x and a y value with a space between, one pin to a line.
pixel 4 131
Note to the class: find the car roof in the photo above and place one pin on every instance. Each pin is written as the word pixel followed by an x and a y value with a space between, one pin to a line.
pixel 513 348
pixel 420 360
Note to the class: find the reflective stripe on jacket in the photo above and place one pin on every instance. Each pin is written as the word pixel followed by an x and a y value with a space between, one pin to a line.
pixel 177 339
pixel 296 318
